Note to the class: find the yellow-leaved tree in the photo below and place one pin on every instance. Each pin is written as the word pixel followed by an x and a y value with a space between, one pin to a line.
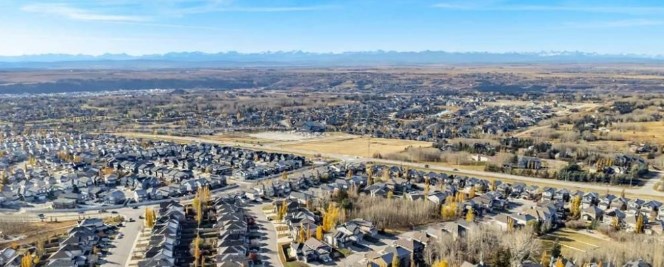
pixel 301 235
pixel 197 250
pixel 395 260
pixel 370 180
pixel 26 260
pixel 449 208
pixel 386 174
pixel 575 207
pixel 545 260
pixel 639 224
pixel 319 233
pixel 149 217
pixel 330 217
pixel 439 263
pixel 470 215
pixel 282 210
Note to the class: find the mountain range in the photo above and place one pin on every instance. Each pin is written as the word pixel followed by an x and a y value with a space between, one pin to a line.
pixel 299 58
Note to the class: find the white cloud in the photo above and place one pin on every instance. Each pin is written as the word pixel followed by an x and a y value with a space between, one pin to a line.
pixel 66 11
pixel 615 23
pixel 154 10
pixel 275 9
pixel 189 7
pixel 633 10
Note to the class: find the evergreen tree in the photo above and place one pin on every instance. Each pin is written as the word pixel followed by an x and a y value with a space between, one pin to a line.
pixel 555 250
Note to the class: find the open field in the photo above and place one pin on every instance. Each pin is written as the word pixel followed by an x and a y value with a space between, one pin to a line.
pixel 572 241
pixel 239 138
pixel 32 231
pixel 618 139
pixel 284 136
pixel 501 103
pixel 474 166
pixel 643 131
pixel 276 137
pixel 357 146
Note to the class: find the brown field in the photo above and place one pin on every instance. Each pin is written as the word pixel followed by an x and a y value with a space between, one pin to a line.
pixel 357 146
pixel 474 167
pixel 504 102
pixel 36 230
pixel 554 165
pixel 572 241
pixel 645 132
pixel 238 138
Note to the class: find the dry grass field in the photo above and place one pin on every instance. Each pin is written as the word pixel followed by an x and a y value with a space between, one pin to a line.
pixel 644 131
pixel 32 231
pixel 238 138
pixel 509 103
pixel 572 241
pixel 356 146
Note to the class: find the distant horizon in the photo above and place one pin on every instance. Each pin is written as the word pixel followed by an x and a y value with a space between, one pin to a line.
pixel 149 27
pixel 265 52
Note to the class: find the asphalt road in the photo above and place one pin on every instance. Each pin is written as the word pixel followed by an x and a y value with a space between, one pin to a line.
pixel 120 249
pixel 268 251
pixel 120 252
pixel 645 192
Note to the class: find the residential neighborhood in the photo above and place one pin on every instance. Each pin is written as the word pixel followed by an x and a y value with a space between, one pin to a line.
pixel 78 171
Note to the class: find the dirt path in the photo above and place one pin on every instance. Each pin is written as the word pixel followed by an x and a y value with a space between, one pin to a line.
pixel 530 130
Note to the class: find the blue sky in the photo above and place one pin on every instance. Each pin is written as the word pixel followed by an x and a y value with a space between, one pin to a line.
pixel 159 26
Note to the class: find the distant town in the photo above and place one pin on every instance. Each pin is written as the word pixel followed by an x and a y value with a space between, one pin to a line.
pixel 387 167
